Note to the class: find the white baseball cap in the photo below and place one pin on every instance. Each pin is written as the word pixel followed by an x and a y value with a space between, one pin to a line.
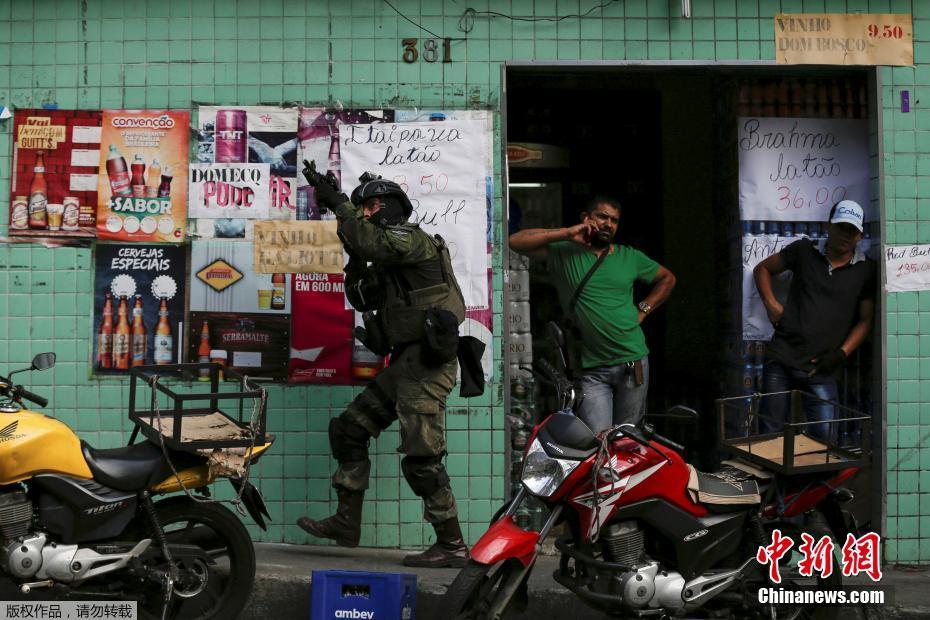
pixel 847 212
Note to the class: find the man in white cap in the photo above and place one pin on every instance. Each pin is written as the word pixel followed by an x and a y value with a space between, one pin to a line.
pixel 828 314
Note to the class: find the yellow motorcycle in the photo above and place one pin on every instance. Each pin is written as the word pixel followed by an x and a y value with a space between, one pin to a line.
pixel 81 523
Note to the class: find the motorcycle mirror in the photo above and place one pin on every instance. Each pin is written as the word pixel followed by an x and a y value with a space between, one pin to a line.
pixel 558 337
pixel 681 411
pixel 43 361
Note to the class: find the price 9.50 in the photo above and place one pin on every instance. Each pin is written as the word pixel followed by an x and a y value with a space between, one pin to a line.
pixel 885 31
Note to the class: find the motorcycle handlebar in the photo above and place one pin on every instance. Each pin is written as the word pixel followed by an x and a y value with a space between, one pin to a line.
pixel 644 435
pixel 665 441
pixel 35 398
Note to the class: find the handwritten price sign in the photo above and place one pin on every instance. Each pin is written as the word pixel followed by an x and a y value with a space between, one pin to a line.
pixel 796 169
pixel 440 166
pixel 907 268
pixel 844 39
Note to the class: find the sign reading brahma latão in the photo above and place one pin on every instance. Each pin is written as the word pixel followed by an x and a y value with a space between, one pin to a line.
pixel 142 184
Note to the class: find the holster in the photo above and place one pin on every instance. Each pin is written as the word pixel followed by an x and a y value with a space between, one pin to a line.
pixel 372 335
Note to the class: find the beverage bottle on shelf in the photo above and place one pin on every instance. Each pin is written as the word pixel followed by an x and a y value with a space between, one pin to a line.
pixel 164 343
pixel 138 176
pixel 121 338
pixel 118 173
pixel 105 336
pixel 153 179
pixel 203 352
pixel 139 335
pixel 38 195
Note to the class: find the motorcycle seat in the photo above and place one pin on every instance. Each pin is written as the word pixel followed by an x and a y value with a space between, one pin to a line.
pixel 130 468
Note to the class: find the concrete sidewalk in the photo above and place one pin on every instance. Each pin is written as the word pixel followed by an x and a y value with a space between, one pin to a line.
pixel 282 588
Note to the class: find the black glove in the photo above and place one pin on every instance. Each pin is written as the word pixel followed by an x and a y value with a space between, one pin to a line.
pixel 826 363
pixel 326 187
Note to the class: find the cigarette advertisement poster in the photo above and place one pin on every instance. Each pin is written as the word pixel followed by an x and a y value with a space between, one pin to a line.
pixel 257 135
pixel 229 191
pixel 138 305
pixel 796 169
pixel 142 184
pixel 321 344
pixel 440 166
pixel 223 279
pixel 252 344
pixel 318 132
pixel 56 154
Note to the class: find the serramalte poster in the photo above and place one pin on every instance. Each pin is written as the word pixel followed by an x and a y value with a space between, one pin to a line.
pixel 258 135
pixel 142 184
pixel 252 344
pixel 138 305
pixel 53 185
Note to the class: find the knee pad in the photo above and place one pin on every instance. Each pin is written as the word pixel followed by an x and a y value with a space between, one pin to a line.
pixel 348 441
pixel 424 474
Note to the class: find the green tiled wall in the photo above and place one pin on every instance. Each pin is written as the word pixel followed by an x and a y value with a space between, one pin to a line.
pixel 179 53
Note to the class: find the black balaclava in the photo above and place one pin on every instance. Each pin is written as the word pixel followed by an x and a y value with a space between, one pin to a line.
pixel 391 212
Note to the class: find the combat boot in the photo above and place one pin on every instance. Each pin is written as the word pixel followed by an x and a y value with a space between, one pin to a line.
pixel 345 527
pixel 449 550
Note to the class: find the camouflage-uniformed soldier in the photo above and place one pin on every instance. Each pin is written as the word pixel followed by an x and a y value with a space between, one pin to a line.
pixel 408 280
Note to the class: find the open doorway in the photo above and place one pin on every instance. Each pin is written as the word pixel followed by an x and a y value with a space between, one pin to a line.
pixel 662 140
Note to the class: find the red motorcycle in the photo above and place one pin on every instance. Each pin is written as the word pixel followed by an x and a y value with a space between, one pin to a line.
pixel 638 544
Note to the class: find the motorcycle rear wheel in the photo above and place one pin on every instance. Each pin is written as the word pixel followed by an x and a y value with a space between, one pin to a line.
pixel 475 588
pixel 216 591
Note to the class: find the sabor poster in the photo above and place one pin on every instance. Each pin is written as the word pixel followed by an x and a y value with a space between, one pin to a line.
pixel 53 186
pixel 796 169
pixel 142 184
pixel 441 168
pixel 138 305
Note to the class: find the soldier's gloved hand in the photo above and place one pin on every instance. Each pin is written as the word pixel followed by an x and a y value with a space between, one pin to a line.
pixel 828 362
pixel 325 187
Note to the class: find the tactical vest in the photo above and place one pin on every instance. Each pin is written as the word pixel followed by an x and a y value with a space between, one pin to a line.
pixel 413 289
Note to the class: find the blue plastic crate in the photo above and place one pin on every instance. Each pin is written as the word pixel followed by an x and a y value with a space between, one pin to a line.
pixel 362 595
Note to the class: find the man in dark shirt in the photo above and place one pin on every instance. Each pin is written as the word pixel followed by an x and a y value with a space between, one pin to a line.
pixel 827 315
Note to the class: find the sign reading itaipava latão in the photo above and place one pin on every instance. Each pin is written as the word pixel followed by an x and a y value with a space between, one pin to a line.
pixel 844 39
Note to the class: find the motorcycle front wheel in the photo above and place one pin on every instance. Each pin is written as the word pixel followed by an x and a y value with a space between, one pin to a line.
pixel 476 588
pixel 205 590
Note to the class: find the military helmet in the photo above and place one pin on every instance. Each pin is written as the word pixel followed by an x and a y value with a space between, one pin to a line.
pixel 372 187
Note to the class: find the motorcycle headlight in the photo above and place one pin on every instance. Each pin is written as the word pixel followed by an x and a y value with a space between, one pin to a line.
pixel 543 474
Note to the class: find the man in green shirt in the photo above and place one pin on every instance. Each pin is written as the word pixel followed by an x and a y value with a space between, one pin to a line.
pixel 614 374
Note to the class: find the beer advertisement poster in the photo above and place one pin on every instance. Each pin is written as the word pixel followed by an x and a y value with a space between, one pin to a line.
pixel 227 191
pixel 318 131
pixel 142 182
pixel 138 305
pixel 224 280
pixel 53 186
pixel 252 344
pixel 321 344
pixel 256 135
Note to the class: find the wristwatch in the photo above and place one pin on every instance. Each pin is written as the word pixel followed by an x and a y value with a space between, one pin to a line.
pixel 646 308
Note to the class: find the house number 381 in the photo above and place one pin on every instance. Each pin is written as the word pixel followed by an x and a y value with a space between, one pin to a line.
pixel 430 51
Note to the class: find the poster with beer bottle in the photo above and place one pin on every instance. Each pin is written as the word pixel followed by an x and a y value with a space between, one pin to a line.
pixel 252 344
pixel 142 181
pixel 255 135
pixel 318 133
pixel 53 188
pixel 223 280
pixel 138 306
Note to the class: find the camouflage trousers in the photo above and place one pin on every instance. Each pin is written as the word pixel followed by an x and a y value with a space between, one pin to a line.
pixel 415 395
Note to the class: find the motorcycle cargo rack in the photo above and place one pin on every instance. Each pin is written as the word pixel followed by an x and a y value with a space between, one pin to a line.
pixel 791 450
pixel 195 420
